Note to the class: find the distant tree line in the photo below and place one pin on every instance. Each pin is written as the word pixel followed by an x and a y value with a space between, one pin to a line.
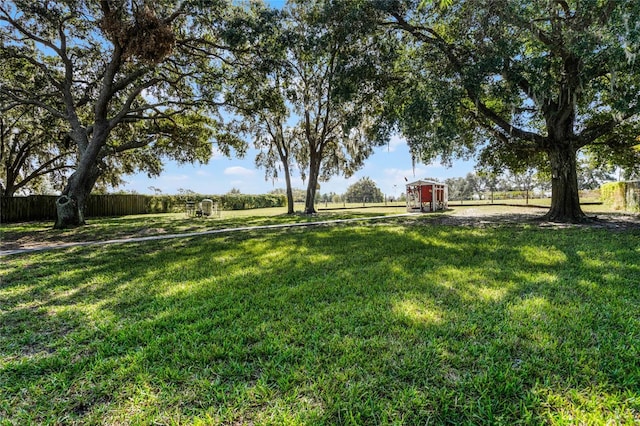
pixel 524 182
pixel 481 185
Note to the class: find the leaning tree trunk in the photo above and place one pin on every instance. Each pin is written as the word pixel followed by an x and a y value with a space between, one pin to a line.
pixel 70 206
pixel 565 201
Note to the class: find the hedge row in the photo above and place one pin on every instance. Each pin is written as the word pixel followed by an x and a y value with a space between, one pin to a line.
pixel 177 203
pixel 621 195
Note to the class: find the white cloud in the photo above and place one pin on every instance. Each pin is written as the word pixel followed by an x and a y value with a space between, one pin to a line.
pixel 395 142
pixel 399 175
pixel 239 171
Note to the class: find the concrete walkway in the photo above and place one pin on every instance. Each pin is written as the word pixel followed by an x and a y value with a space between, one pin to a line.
pixel 192 234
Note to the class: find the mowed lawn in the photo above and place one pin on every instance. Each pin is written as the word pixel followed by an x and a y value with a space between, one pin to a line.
pixel 393 322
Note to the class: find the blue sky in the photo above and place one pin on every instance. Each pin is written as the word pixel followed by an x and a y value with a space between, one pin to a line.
pixel 387 167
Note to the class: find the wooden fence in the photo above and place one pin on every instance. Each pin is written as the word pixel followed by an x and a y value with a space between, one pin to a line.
pixel 43 207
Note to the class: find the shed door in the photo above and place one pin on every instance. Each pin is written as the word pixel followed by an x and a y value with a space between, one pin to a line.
pixel 427 194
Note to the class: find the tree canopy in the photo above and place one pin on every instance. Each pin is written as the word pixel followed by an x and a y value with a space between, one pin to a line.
pixel 122 76
pixel 257 91
pixel 34 151
pixel 34 154
pixel 340 76
pixel 364 191
pixel 517 80
pixel 309 91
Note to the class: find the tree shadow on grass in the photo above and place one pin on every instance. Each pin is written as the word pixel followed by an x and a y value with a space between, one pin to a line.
pixel 375 324
pixel 41 235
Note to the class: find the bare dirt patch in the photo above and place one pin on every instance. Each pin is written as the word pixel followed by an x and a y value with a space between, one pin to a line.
pixel 532 216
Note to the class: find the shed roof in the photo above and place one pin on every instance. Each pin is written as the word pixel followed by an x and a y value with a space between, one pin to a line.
pixel 426 182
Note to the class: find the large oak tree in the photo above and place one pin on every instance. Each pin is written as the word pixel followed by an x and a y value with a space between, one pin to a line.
pixel 518 79
pixel 122 75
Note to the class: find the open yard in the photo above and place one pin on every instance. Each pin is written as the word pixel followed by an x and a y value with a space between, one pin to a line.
pixel 453 318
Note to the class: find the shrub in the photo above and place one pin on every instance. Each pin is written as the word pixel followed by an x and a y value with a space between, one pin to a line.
pixel 621 195
pixel 176 203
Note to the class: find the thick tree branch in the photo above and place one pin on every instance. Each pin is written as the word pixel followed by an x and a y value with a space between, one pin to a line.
pixel 127 80
pixel 592 133
pixel 134 144
pixel 18 101
pixel 445 48
pixel 126 107
pixel 6 17
pixel 44 169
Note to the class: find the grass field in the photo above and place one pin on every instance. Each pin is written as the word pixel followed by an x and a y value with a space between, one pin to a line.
pixel 404 321
pixel 30 234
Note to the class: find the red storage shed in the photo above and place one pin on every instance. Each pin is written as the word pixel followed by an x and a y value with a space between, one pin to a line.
pixel 426 196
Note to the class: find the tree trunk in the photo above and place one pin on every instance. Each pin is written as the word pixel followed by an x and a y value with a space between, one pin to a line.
pixel 309 203
pixel 68 212
pixel 314 171
pixel 8 191
pixel 287 178
pixel 70 206
pixel 565 201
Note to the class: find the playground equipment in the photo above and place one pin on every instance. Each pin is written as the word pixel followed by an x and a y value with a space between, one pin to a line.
pixel 203 208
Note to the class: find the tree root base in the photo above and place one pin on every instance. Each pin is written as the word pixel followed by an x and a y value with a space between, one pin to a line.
pixel 575 218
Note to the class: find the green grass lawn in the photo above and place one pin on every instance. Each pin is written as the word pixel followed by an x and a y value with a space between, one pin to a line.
pixel 394 322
